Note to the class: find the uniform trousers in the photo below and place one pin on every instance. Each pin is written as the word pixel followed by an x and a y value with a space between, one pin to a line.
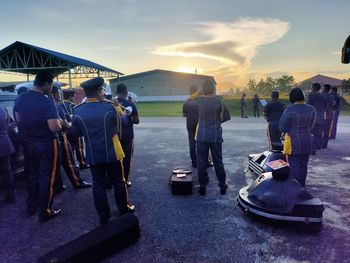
pixel 317 135
pixel 41 175
pixel 192 144
pixel 298 167
pixel 128 148
pixel 326 131
pixel 273 133
pixel 334 124
pixel 66 160
pixel 202 162
pixel 111 172
pixel 256 111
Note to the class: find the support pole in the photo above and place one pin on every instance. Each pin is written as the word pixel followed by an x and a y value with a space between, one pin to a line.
pixel 27 77
pixel 69 78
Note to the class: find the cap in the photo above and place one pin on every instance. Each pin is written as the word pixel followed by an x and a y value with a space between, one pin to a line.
pixel 92 84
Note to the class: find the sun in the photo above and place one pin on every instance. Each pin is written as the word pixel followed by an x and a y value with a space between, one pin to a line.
pixel 194 70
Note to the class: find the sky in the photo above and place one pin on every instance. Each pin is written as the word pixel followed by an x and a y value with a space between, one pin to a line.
pixel 232 40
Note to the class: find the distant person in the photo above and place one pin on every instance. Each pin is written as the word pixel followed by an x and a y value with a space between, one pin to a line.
pixel 328 115
pixel 212 112
pixel 255 102
pixel 297 122
pixel 38 118
pixel 336 111
pixel 273 112
pixel 127 139
pixel 7 149
pixel 243 107
pixel 317 100
pixel 100 125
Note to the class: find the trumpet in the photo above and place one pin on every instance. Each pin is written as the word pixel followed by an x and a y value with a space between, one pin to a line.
pixel 127 110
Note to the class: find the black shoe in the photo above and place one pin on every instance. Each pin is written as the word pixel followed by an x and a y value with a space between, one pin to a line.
pixel 131 208
pixel 128 184
pixel 223 190
pixel 210 164
pixel 83 184
pixel 60 189
pixel 202 190
pixel 83 166
pixel 49 215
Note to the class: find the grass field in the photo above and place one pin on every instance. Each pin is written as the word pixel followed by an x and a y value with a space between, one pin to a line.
pixel 174 108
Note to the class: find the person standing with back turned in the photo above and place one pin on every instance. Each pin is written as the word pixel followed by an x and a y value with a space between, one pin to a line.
pixel 212 112
pixel 100 125
pixel 38 118
pixel 297 122
pixel 127 139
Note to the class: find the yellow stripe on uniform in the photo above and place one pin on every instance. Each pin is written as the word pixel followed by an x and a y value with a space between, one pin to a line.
pixel 118 147
pixel 287 147
pixel 69 158
pixel 53 175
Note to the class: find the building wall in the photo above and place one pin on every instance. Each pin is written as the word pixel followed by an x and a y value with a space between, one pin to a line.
pixel 157 85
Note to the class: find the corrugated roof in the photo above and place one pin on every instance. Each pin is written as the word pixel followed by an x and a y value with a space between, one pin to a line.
pixel 71 60
pixel 155 71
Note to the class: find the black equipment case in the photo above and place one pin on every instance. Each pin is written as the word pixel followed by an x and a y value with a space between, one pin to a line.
pixel 181 185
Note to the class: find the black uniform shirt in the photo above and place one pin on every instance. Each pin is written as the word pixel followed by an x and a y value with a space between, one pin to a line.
pixel 190 111
pixel 273 111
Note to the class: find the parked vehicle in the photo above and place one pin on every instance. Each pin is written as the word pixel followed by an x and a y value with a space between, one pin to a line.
pixel 7 100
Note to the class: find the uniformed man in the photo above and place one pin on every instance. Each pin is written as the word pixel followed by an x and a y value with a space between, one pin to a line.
pixel 318 101
pixel 38 118
pixel 99 123
pixel 273 112
pixel 243 107
pixel 76 143
pixel 297 122
pixel 336 111
pixel 7 149
pixel 65 151
pixel 190 111
pixel 328 115
pixel 127 139
pixel 255 102
pixel 212 112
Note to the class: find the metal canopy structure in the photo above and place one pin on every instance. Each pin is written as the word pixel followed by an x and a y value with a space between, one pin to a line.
pixel 27 59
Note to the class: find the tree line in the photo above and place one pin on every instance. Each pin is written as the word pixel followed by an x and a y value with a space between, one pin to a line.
pixel 264 87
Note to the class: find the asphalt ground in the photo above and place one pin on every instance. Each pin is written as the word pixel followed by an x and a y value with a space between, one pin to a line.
pixel 195 228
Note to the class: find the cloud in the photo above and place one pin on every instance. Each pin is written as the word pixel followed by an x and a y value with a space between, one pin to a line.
pixel 232 45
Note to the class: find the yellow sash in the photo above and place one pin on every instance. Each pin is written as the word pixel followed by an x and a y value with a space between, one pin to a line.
pixel 287 147
pixel 118 148
pixel 194 95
